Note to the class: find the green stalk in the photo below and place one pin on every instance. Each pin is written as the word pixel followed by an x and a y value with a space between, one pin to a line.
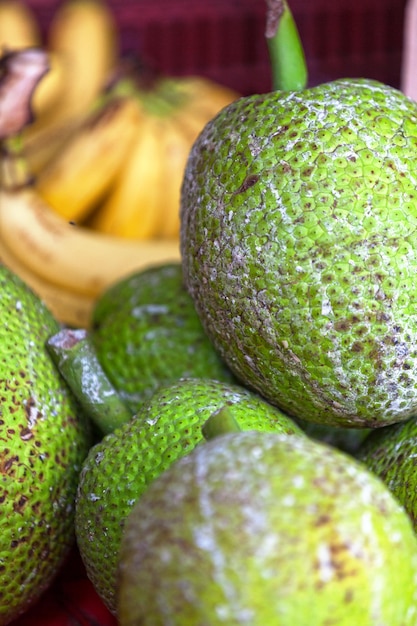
pixel 288 63
pixel 76 359
pixel 220 422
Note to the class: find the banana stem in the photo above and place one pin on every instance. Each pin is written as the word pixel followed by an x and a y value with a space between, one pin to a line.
pixel 20 72
pixel 288 63
pixel 14 170
pixel 160 100
pixel 220 422
pixel 76 359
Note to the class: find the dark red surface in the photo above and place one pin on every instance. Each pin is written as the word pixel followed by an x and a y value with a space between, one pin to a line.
pixel 224 39
pixel 71 601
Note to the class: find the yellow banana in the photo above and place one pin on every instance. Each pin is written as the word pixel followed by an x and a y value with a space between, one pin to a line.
pixel 50 88
pixel 83 36
pixel 19 29
pixel 71 256
pixel 87 164
pixel 132 209
pixel 175 147
pixel 69 308
pixel 144 202
pixel 181 131
pixel 67 265
pixel 43 148
pixel 18 26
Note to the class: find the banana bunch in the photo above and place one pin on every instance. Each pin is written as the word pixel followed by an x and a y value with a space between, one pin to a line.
pixel 83 50
pixel 92 193
pixel 67 265
pixel 121 170
pixel 143 202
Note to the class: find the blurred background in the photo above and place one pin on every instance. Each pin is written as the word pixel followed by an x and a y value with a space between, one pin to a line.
pixel 224 39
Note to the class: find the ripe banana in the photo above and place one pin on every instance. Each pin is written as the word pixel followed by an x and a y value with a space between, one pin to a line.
pixel 84 34
pixel 20 29
pixel 83 42
pixel 133 208
pixel 175 147
pixel 69 266
pixel 18 26
pixel 67 255
pixel 51 88
pixel 69 308
pixel 43 148
pixel 86 166
pixel 145 198
pixel 202 100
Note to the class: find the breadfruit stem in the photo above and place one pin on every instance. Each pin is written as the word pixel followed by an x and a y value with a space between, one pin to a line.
pixel 76 360
pixel 220 422
pixel 288 63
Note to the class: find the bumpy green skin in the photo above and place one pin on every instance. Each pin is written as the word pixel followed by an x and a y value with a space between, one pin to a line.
pixel 299 245
pixel 147 333
pixel 390 453
pixel 43 444
pixel 118 470
pixel 256 528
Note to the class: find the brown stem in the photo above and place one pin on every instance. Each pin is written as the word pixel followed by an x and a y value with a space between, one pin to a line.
pixel 274 11
pixel 20 72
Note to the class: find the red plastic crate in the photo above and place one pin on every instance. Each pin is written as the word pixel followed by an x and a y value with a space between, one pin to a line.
pixel 224 39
